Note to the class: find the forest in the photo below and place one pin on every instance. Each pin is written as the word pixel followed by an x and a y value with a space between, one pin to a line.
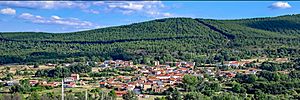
pixel 170 39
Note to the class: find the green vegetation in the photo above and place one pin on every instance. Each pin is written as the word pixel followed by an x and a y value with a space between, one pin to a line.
pixel 60 72
pixel 203 41
pixel 200 40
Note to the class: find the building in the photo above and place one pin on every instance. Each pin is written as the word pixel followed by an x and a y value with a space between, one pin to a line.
pixel 120 93
pixel 75 77
pixel 33 82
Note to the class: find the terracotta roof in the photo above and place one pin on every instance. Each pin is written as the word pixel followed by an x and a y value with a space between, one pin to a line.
pixel 102 82
pixel 173 79
pixel 120 93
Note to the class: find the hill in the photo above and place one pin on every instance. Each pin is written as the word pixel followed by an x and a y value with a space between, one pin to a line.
pixel 200 40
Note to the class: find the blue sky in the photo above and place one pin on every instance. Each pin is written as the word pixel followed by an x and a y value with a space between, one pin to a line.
pixel 68 16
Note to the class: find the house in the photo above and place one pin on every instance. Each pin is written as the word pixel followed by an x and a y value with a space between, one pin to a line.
pixel 137 91
pixel 68 79
pixel 156 63
pixel 157 88
pixel 177 76
pixel 182 70
pixel 147 86
pixel 130 86
pixel 153 79
pixel 75 77
pixel 33 82
pixel 163 77
pixel 43 83
pixel 172 81
pixel 53 84
pixel 128 63
pixel 102 84
pixel 230 75
pixel 50 64
pixel 281 60
pixel 231 63
pixel 185 64
pixel 69 84
pixel 120 93
pixel 119 62
pixel 109 62
pixel 104 65
pixel 82 82
pixel 66 64
pixel 11 83
pixel 145 71
pixel 235 63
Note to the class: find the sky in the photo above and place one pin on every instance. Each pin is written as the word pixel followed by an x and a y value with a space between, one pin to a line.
pixel 70 16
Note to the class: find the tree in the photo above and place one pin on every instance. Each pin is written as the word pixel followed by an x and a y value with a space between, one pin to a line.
pixel 190 82
pixel 238 88
pixel 2 84
pixel 195 96
pixel 18 72
pixel 294 74
pixel 225 96
pixel 92 64
pixel 8 76
pixel 112 94
pixel 130 96
pixel 259 95
pixel 160 98
pixel 15 96
pixel 146 60
pixel 96 90
pixel 23 87
pixel 175 95
pixel 169 91
pixel 33 96
pixel 208 88
pixel 270 76
pixel 79 95
pixel 35 66
pixel 16 89
pixel 249 78
pixel 49 96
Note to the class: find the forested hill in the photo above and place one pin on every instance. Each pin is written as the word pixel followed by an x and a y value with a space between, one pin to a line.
pixel 200 40
pixel 163 28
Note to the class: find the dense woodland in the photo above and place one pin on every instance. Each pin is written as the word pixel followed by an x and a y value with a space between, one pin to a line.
pixel 199 40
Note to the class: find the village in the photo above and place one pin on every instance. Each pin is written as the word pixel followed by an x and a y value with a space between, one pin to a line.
pixel 143 80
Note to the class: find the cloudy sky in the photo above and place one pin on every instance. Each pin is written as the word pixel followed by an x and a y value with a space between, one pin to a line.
pixel 68 16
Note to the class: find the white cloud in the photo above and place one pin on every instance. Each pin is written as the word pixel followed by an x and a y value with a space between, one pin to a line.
pixel 94 7
pixel 150 8
pixel 134 5
pixel 167 14
pixel 280 5
pixel 56 20
pixel 159 14
pixel 45 4
pixel 91 11
pixel 126 5
pixel 29 16
pixel 55 17
pixel 8 11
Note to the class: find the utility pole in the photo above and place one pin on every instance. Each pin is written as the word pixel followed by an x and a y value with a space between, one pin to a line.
pixel 86 95
pixel 102 95
pixel 62 89
pixel 62 85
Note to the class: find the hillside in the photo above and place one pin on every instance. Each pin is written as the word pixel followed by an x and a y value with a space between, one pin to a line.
pixel 201 40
